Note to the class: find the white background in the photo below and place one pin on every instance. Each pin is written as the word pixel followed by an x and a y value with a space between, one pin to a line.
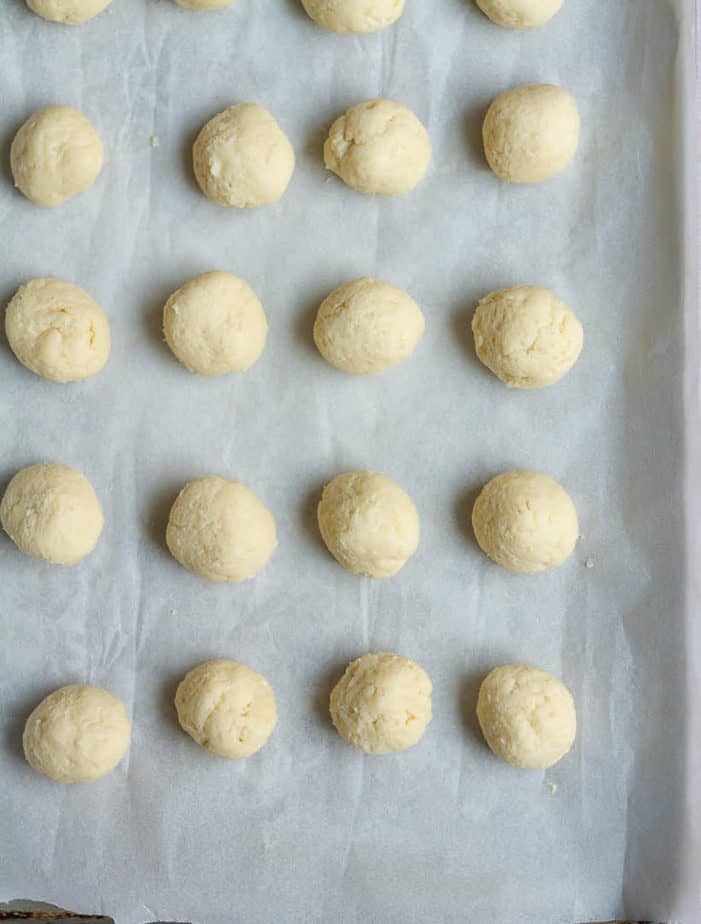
pixel 310 830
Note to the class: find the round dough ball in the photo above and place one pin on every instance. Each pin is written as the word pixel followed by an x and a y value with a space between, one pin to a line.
pixel 204 4
pixel 55 155
pixel 368 523
pixel 57 330
pixel 219 530
pixel 520 14
pixel 242 157
pixel 382 703
pixel 527 336
pixel 215 324
pixel 525 522
pixel 227 708
pixel 354 17
pixel 378 147
pixel 527 716
pixel 70 12
pixel 52 512
pixel 367 326
pixel 531 133
pixel 77 734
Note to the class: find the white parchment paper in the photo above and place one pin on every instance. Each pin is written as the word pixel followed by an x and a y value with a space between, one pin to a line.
pixel 309 830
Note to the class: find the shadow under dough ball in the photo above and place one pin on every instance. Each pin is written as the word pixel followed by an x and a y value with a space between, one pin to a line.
pixel 55 155
pixel 354 17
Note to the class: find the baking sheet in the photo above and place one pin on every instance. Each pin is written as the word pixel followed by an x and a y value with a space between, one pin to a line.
pixel 310 830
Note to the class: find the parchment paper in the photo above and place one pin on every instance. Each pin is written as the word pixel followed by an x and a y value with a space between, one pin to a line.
pixel 309 830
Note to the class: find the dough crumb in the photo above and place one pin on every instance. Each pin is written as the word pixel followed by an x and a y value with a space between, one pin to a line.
pixel 155 141
pixel 589 563
pixel 551 788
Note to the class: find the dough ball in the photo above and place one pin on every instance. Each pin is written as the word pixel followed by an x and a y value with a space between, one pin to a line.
pixel 70 12
pixel 378 147
pixel 527 336
pixel 227 708
pixel 55 155
pixel 57 330
pixel 367 326
pixel 204 4
pixel 219 530
pixel 368 523
pixel 215 324
pixel 382 703
pixel 52 512
pixel 242 157
pixel 77 734
pixel 520 14
pixel 354 16
pixel 527 716
pixel 525 522
pixel 531 133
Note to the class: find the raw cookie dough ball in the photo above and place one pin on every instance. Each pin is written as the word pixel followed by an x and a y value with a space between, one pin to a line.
pixel 527 336
pixel 77 734
pixel 204 4
pixel 219 530
pixel 215 324
pixel 368 523
pixel 52 512
pixel 57 330
pixel 242 157
pixel 527 716
pixel 55 155
pixel 71 12
pixel 354 16
pixel 378 147
pixel 520 14
pixel 531 133
pixel 366 326
pixel 382 703
pixel 227 708
pixel 525 522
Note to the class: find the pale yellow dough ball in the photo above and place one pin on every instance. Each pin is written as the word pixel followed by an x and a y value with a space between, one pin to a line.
pixel 227 708
pixel 527 336
pixel 57 330
pixel 382 703
pixel 531 133
pixel 52 512
pixel 242 158
pixel 55 155
pixel 204 4
pixel 366 326
pixel 525 522
pixel 378 147
pixel 215 324
pixel 79 733
pixel 219 530
pixel 369 524
pixel 527 716
pixel 354 17
pixel 70 12
pixel 520 14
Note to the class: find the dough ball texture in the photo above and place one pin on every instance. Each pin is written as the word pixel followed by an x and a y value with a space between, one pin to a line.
pixel 354 16
pixel 520 14
pixel 525 522
pixel 77 734
pixel 382 703
pixel 52 512
pixel 378 147
pixel 368 523
pixel 527 336
pixel 527 716
pixel 57 330
pixel 215 324
pixel 242 157
pixel 55 155
pixel 219 530
pixel 70 12
pixel 366 326
pixel 531 133
pixel 227 708
pixel 204 4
